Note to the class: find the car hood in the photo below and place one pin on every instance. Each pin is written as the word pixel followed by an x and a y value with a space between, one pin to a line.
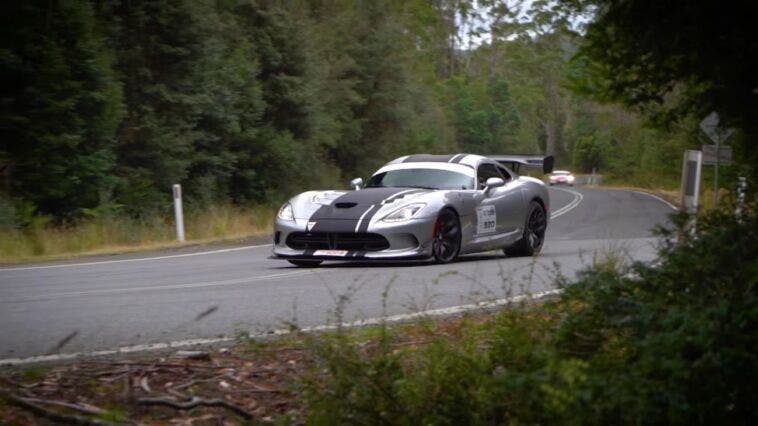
pixel 352 205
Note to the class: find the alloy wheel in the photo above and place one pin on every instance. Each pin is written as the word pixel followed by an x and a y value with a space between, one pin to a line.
pixel 447 237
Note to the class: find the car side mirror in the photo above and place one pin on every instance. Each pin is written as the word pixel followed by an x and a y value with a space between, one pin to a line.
pixel 357 183
pixel 493 182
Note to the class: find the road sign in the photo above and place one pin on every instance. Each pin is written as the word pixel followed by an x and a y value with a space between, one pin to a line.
pixel 711 126
pixel 710 152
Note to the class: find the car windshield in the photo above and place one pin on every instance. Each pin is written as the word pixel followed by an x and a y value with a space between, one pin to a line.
pixel 421 178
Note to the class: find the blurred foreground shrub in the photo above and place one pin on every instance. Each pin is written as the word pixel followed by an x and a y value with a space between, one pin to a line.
pixel 676 342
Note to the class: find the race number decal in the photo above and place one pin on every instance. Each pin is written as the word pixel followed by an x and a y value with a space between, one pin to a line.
pixel 486 218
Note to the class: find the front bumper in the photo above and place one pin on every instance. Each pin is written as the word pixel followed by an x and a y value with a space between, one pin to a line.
pixel 409 240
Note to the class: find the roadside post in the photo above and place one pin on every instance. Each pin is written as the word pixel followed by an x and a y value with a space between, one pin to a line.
pixel 716 154
pixel 690 188
pixel 178 213
pixel 741 190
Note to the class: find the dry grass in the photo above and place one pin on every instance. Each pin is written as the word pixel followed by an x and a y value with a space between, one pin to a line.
pixel 673 196
pixel 115 235
pixel 670 195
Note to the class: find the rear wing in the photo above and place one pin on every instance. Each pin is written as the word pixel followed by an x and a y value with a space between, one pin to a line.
pixel 514 162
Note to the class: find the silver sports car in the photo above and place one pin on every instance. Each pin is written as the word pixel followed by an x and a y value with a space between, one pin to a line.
pixel 420 207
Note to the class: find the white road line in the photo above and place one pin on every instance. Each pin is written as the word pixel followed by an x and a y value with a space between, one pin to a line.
pixel 325 327
pixel 143 289
pixel 141 259
pixel 656 197
pixel 118 351
pixel 570 206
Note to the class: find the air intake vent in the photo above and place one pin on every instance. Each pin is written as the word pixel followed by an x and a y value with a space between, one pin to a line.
pixel 345 205
pixel 337 240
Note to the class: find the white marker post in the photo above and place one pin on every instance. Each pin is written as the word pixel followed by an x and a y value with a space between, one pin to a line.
pixel 178 213
pixel 741 190
pixel 690 188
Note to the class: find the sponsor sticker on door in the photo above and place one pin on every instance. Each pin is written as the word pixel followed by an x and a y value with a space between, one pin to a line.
pixel 486 219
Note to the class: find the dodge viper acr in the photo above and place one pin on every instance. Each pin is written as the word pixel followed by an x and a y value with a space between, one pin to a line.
pixel 419 207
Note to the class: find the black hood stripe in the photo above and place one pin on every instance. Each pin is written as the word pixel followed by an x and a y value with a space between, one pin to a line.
pixel 459 159
pixel 433 158
pixel 363 217
pixel 329 219
pixel 428 158
pixel 369 196
pixel 320 212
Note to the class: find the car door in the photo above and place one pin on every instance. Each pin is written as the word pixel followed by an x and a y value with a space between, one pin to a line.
pixel 516 203
pixel 495 210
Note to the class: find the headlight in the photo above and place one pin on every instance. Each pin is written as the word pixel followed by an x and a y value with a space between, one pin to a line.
pixel 404 213
pixel 285 213
pixel 571 178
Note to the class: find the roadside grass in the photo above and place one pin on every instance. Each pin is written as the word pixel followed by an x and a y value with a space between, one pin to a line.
pixel 670 195
pixel 673 196
pixel 105 235
pixel 669 190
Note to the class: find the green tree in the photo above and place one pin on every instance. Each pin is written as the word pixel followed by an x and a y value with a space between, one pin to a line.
pixel 158 45
pixel 675 58
pixel 61 105
pixel 483 114
pixel 589 154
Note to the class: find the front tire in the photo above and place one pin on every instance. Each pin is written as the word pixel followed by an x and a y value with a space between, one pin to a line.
pixel 305 263
pixel 533 238
pixel 446 243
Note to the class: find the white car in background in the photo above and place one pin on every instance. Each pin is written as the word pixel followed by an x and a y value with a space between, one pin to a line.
pixel 561 177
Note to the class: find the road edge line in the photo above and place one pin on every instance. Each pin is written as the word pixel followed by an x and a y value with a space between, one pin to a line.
pixel 672 206
pixel 578 197
pixel 149 347
pixel 140 259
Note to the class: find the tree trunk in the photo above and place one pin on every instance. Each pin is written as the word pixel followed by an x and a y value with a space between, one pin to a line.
pixel 551 137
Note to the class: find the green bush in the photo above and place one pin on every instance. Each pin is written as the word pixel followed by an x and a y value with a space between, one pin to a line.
pixel 674 342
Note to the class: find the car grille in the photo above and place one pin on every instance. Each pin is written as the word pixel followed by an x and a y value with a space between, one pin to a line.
pixel 337 241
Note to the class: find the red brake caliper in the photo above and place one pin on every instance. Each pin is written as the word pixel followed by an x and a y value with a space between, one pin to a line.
pixel 436 228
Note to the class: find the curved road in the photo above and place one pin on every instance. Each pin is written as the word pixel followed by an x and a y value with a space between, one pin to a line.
pixel 96 305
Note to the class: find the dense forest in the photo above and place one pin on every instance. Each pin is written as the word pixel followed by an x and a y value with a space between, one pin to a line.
pixel 106 104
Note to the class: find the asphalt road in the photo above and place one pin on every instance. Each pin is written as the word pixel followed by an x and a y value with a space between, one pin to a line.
pixel 99 304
